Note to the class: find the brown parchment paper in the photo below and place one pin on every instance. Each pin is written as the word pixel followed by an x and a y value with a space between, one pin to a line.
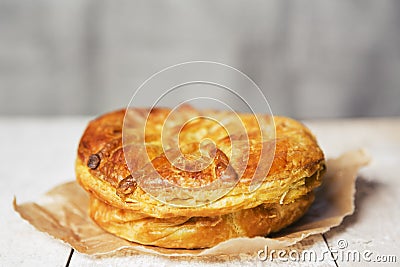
pixel 63 213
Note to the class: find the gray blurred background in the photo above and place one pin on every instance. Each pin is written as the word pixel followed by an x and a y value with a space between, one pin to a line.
pixel 312 59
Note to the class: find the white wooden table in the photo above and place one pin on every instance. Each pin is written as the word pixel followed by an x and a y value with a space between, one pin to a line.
pixel 38 154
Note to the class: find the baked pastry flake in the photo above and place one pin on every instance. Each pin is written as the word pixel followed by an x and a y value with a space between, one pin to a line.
pixel 121 206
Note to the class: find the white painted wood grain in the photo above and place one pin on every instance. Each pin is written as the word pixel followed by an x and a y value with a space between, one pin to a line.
pixel 374 225
pixel 39 154
pixel 315 243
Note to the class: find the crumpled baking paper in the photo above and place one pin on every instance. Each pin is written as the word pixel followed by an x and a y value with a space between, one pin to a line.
pixel 63 214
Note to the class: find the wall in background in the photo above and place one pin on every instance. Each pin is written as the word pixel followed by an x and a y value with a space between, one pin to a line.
pixel 311 58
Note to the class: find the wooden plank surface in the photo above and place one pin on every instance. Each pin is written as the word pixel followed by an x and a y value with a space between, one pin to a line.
pixel 315 243
pixel 39 154
pixel 372 232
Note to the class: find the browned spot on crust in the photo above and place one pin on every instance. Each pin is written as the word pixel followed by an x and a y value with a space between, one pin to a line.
pixel 94 161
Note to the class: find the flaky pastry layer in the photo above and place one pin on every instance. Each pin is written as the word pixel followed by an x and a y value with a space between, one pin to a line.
pixel 197 232
pixel 297 155
pixel 122 207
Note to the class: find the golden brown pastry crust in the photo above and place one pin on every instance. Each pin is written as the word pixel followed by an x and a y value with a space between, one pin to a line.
pixel 197 232
pixel 101 170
